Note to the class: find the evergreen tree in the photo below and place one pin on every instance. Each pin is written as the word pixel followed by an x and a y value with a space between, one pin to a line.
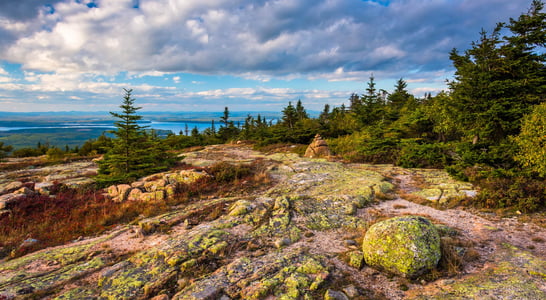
pixel 133 153
pixel 289 116
pixel 4 150
pixel 300 111
pixel 498 80
pixel 369 110
pixel 397 100
pixel 225 117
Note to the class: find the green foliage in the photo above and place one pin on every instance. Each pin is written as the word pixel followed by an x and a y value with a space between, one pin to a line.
pixel 499 79
pixel 502 189
pixel 345 146
pixel 532 141
pixel 414 153
pixel 227 131
pixel 94 147
pixel 4 150
pixel 55 153
pixel 370 107
pixel 134 152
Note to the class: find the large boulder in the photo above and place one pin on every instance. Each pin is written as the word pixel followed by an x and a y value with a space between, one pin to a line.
pixel 408 246
pixel 318 148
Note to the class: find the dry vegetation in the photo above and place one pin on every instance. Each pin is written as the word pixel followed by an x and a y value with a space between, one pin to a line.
pixel 74 213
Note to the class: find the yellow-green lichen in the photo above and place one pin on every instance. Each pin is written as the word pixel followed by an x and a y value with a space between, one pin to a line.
pixel 355 259
pixel 311 266
pixel 408 246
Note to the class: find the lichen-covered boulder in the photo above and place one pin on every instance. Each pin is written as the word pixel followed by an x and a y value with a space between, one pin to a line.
pixel 134 195
pixel 185 177
pixel 408 246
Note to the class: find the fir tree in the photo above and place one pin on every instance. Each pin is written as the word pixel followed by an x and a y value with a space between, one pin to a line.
pixel 133 152
pixel 289 116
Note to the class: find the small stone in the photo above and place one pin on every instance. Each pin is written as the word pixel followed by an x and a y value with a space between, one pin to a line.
pixel 258 253
pixel 240 208
pixel 308 234
pixel 251 246
pixel 351 291
pixel 355 259
pixel 28 242
pixel 350 242
pixel 161 297
pixel 182 283
pixel 335 295
pixel 282 242
pixel 137 184
pixel 113 191
pixel 208 293
pixel 134 195
pixel 123 191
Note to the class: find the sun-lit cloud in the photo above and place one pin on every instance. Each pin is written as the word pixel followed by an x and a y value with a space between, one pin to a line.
pixel 99 47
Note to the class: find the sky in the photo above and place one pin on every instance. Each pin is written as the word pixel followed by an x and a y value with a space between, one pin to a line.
pixel 248 55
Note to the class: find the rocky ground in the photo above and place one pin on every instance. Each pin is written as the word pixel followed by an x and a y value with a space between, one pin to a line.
pixel 298 239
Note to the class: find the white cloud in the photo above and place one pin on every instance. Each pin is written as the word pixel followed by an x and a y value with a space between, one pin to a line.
pixel 273 38
pixel 73 48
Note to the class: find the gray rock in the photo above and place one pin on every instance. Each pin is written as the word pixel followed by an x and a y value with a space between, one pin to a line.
pixel 12 186
pixel 123 191
pixel 24 191
pixel 43 188
pixel 335 295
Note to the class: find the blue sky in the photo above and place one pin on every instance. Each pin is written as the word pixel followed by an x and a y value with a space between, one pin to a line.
pixel 202 55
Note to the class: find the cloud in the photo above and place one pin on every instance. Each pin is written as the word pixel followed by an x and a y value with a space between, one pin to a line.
pixel 25 9
pixel 266 38
pixel 91 49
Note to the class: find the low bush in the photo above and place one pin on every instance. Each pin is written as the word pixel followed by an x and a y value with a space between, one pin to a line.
pixel 73 213
pixel 416 154
pixel 499 188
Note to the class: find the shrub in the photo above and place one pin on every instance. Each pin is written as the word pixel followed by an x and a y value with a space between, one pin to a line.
pixel 414 154
pixel 501 188
pixel 225 172
pixel 532 141
pixel 55 154
pixel 346 146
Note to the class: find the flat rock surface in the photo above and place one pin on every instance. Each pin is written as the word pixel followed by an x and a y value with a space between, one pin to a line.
pixel 299 239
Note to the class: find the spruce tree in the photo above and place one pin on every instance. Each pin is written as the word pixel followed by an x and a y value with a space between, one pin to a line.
pixel 499 79
pixel 133 152
pixel 289 116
